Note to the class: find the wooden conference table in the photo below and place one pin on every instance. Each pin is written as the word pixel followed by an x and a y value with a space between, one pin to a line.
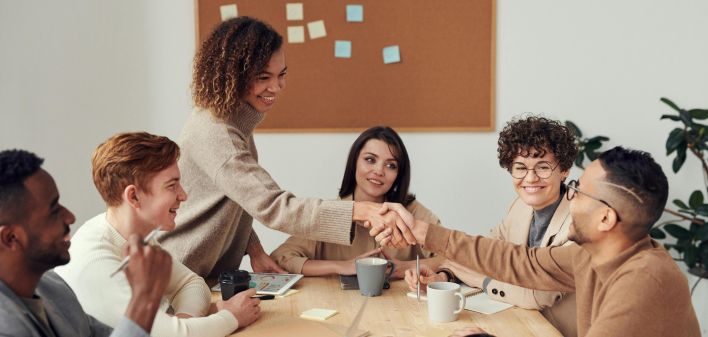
pixel 391 314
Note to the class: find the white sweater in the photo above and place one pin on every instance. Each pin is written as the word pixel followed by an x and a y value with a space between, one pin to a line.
pixel 97 250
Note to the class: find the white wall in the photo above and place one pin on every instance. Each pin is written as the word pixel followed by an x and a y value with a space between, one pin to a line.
pixel 74 72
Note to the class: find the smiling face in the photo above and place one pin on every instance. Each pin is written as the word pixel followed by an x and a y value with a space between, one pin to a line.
pixel 159 203
pixel 376 171
pixel 533 190
pixel 265 88
pixel 47 227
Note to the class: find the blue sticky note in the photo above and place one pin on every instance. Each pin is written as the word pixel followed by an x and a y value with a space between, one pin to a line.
pixel 355 13
pixel 342 49
pixel 391 54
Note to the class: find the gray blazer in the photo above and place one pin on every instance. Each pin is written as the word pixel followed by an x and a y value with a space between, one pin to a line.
pixel 63 311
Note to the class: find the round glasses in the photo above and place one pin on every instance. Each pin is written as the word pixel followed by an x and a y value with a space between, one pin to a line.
pixel 542 170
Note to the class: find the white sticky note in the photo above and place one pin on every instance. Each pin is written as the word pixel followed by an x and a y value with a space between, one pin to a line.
pixel 289 292
pixel 228 12
pixel 342 49
pixel 293 11
pixel 296 34
pixel 318 314
pixel 316 29
pixel 391 54
pixel 355 13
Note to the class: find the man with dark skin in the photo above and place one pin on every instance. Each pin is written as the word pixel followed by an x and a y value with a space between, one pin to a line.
pixel 34 238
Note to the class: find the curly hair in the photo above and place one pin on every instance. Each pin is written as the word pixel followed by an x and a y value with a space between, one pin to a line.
pixel 130 158
pixel 541 134
pixel 15 167
pixel 228 62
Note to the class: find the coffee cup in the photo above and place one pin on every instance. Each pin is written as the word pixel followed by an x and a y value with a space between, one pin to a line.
pixel 371 274
pixel 445 301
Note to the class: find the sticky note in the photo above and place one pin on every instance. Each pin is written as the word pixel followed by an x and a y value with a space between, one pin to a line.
pixel 296 34
pixel 391 54
pixel 318 314
pixel 355 13
pixel 288 293
pixel 228 12
pixel 342 49
pixel 293 11
pixel 316 29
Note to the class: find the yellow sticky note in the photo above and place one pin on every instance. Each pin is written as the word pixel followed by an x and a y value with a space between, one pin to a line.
pixel 228 12
pixel 289 292
pixel 293 11
pixel 296 34
pixel 316 29
pixel 318 314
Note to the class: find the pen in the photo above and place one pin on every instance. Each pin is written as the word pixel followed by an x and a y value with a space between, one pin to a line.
pixel 264 297
pixel 417 272
pixel 127 258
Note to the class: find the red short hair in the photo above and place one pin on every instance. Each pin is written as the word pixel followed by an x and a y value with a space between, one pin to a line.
pixel 130 159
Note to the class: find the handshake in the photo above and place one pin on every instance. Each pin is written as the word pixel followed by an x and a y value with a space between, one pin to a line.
pixel 391 224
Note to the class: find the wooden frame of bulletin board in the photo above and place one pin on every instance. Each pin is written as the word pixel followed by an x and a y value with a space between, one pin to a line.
pixel 443 82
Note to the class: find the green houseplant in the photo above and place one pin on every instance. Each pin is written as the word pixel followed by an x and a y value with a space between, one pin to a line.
pixel 692 238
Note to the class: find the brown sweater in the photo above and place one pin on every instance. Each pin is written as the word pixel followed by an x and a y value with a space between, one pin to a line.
pixel 641 292
pixel 293 253
pixel 227 188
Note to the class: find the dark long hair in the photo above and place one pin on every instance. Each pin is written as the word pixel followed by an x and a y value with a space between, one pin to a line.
pixel 399 190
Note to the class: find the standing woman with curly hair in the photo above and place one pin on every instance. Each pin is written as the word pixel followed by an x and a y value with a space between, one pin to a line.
pixel 538 153
pixel 239 72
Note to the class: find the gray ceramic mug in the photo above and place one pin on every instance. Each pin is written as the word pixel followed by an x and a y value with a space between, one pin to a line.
pixel 371 274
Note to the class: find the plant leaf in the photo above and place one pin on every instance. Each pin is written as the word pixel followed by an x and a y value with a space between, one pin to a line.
pixel 680 158
pixel 592 146
pixel 699 113
pixel 671 117
pixel 657 233
pixel 696 199
pixel 598 139
pixel 680 204
pixel 702 233
pixel 702 210
pixel 574 128
pixel 676 137
pixel 678 232
pixel 689 256
pixel 579 160
pixel 670 103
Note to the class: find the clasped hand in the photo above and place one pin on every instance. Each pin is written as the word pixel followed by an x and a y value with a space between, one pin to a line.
pixel 392 226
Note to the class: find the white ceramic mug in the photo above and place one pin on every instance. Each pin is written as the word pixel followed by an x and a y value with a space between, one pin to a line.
pixel 445 301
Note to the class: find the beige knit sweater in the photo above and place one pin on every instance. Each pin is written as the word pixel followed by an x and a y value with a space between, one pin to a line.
pixel 227 188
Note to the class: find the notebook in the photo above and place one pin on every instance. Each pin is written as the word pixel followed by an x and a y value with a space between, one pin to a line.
pixel 464 289
pixel 475 300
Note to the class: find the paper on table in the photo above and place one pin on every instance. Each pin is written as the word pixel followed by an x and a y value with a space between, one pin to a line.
pixel 293 11
pixel 316 29
pixel 464 289
pixel 288 293
pixel 296 34
pixel 483 304
pixel 342 49
pixel 355 13
pixel 318 314
pixel 228 12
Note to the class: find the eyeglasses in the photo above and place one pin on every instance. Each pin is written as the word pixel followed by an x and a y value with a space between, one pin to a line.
pixel 573 189
pixel 542 170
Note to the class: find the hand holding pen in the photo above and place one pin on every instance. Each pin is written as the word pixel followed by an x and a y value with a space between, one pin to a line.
pixel 126 259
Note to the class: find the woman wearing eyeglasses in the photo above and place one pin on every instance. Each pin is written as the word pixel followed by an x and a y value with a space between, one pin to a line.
pixel 538 153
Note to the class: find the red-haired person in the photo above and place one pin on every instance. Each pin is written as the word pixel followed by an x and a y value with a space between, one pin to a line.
pixel 138 178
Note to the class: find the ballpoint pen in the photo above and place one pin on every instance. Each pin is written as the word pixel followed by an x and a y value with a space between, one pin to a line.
pixel 417 272
pixel 125 261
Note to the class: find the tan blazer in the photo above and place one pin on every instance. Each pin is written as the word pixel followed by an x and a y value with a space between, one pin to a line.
pixel 293 253
pixel 558 308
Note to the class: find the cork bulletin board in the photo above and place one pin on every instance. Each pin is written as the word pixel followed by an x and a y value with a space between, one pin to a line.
pixel 443 82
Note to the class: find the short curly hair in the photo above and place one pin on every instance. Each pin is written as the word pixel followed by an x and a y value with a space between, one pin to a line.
pixel 15 167
pixel 541 134
pixel 130 159
pixel 228 62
